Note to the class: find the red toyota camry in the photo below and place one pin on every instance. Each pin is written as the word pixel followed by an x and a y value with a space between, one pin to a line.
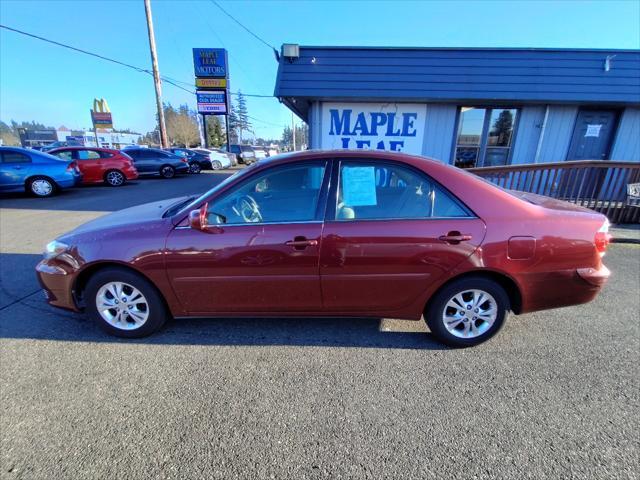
pixel 100 165
pixel 334 233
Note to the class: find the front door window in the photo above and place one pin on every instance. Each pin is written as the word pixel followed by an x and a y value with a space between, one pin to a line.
pixel 280 195
pixel 484 136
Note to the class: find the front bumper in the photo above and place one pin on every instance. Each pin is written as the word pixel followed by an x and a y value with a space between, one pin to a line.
pixel 57 280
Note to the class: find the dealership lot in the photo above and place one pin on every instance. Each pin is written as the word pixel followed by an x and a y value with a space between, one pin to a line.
pixel 556 394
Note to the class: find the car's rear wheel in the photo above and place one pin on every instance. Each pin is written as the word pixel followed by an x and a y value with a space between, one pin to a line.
pixel 216 165
pixel 41 186
pixel 167 171
pixel 124 303
pixel 467 312
pixel 194 167
pixel 115 178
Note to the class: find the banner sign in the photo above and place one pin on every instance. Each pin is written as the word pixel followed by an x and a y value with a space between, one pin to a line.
pixel 210 62
pixel 396 127
pixel 211 82
pixel 212 102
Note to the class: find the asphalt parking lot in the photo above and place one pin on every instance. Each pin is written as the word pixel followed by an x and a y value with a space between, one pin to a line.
pixel 555 395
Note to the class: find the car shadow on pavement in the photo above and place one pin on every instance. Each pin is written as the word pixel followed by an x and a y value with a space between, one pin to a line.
pixel 33 319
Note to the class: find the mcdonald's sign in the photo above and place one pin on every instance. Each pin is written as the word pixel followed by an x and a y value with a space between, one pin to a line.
pixel 100 114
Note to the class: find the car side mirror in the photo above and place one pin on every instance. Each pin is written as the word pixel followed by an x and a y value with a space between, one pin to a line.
pixel 199 220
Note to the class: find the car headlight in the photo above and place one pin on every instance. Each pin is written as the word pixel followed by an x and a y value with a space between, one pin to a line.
pixel 55 248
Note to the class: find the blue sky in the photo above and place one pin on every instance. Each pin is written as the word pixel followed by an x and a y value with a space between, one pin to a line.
pixel 56 86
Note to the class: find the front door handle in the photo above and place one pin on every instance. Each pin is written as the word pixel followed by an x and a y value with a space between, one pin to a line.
pixel 455 238
pixel 300 243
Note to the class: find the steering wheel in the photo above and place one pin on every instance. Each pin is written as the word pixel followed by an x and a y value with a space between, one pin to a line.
pixel 247 208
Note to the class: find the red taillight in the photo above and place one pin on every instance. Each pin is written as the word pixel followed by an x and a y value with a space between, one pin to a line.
pixel 73 167
pixel 602 239
pixel 184 160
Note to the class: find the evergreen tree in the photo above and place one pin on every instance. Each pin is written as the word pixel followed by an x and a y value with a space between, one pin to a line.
pixel 214 132
pixel 244 125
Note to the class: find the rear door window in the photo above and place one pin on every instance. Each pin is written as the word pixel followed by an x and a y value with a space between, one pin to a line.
pixel 385 191
pixel 88 155
pixel 64 155
pixel 15 157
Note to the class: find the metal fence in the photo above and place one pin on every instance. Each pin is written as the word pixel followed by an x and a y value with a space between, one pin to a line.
pixel 604 186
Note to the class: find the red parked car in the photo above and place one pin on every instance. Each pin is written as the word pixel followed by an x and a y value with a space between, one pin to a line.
pixel 342 233
pixel 100 165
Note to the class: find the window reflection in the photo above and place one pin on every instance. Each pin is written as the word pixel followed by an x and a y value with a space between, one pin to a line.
pixel 484 136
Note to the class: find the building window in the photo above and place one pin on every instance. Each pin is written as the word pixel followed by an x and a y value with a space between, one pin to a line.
pixel 484 136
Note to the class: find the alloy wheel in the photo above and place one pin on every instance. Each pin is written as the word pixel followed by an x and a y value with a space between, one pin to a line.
pixel 216 165
pixel 167 172
pixel 122 305
pixel 470 313
pixel 115 178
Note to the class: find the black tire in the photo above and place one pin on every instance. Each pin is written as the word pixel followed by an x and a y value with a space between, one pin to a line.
pixel 195 168
pixel 158 313
pixel 167 171
pixel 41 187
pixel 434 314
pixel 114 178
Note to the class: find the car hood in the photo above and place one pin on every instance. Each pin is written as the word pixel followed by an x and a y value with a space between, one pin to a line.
pixel 137 215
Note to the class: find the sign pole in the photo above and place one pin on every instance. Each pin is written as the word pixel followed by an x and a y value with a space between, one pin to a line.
pixel 226 129
pixel 156 75
pixel 204 128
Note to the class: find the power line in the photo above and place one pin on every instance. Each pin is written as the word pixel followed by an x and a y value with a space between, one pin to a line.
pixel 245 28
pixel 76 49
pixel 169 80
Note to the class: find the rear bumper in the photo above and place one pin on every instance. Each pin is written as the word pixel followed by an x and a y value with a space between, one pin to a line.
pixel 563 288
pixel 182 168
pixel 130 174
pixel 69 181
pixel 594 277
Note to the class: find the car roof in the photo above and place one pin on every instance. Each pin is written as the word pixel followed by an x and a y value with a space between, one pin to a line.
pixel 80 147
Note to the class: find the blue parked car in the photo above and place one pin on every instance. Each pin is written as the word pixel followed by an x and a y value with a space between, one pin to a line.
pixel 37 173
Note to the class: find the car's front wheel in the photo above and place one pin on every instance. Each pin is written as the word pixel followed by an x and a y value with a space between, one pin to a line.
pixel 467 312
pixel 124 303
pixel 167 171
pixel 194 167
pixel 216 165
pixel 41 186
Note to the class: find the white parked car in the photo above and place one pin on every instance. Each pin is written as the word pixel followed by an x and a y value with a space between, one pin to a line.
pixel 218 160
pixel 261 153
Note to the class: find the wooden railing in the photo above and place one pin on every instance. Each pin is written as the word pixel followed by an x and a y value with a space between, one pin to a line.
pixel 598 185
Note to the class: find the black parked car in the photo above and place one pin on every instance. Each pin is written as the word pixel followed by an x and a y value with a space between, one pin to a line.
pixel 197 161
pixel 153 161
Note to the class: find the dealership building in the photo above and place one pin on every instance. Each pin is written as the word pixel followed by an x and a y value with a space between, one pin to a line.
pixel 468 107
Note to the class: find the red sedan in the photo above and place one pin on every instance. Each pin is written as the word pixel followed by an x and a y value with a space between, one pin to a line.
pixel 344 233
pixel 100 165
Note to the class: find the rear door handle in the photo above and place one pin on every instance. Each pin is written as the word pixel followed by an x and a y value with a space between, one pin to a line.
pixel 455 237
pixel 300 243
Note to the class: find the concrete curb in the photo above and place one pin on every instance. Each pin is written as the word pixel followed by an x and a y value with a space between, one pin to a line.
pixel 633 241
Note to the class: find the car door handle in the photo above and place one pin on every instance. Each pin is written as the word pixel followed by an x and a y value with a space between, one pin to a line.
pixel 300 243
pixel 455 237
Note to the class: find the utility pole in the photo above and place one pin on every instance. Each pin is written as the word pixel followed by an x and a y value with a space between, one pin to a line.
pixel 156 75
pixel 293 129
